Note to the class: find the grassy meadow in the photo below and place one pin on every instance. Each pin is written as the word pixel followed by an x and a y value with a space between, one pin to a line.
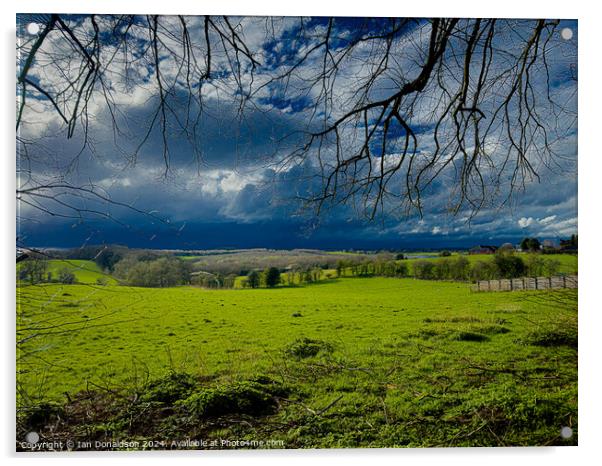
pixel 85 271
pixel 349 362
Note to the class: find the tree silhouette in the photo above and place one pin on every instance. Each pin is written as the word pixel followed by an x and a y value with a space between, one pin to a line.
pixel 392 106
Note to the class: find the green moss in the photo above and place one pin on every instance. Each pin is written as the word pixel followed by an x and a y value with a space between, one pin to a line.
pixel 170 388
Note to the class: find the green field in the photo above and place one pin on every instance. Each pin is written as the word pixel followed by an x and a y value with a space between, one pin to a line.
pixel 385 362
pixel 567 262
pixel 85 271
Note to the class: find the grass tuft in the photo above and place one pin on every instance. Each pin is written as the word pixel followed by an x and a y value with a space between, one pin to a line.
pixel 307 347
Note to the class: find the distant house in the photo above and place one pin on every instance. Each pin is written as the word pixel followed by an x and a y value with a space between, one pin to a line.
pixel 481 249
pixel 507 247
pixel 549 244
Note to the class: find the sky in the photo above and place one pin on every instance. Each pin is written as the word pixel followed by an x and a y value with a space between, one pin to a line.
pixel 231 184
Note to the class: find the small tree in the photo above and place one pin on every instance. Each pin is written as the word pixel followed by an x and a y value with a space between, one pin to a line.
pixel 34 269
pixel 340 268
pixel 530 244
pixel 66 276
pixel 272 277
pixel 509 265
pixel 253 279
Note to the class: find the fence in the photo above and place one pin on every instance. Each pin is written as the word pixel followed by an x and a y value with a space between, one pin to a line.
pixel 527 283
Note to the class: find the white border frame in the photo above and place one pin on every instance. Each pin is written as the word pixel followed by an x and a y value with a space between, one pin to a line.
pixel 590 170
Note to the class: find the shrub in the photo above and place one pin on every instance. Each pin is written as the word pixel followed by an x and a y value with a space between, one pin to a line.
pixel 401 269
pixel 535 265
pixel 482 270
pixel 460 268
pixel 442 269
pixel 424 269
pixel 509 265
pixel 551 267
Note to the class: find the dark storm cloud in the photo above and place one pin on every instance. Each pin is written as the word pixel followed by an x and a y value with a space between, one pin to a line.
pixel 226 197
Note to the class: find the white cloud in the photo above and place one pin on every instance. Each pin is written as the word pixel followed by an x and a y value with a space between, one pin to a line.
pixel 560 228
pixel 436 230
pixel 547 220
pixel 524 222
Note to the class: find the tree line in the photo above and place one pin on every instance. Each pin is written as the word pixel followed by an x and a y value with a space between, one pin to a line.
pixel 504 264
pixel 151 270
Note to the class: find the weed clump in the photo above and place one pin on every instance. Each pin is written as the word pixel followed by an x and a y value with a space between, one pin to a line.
pixel 270 385
pixel 558 336
pixel 426 333
pixel 470 319
pixel 246 397
pixel 307 347
pixel 169 389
